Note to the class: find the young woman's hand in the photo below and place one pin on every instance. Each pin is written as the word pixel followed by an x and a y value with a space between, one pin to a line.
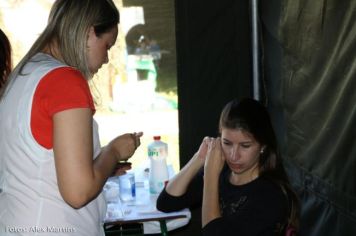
pixel 215 160
pixel 124 146
pixel 200 155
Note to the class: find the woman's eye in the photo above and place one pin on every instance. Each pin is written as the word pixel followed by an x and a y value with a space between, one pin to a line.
pixel 245 145
pixel 227 143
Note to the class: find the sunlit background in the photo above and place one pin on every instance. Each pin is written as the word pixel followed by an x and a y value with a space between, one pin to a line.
pixel 137 89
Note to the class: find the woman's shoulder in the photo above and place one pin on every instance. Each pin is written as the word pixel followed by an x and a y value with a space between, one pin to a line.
pixel 41 64
pixel 268 195
pixel 43 60
pixel 268 186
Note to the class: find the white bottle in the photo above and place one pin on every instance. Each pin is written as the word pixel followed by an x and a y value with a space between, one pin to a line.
pixel 158 175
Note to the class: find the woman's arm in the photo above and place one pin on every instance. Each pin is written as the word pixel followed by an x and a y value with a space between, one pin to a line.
pixel 190 199
pixel 185 189
pixel 80 178
pixel 213 166
pixel 178 185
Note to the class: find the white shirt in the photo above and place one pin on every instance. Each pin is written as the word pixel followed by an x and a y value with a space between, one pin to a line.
pixel 30 202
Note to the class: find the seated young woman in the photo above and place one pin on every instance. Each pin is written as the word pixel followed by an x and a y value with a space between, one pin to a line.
pixel 237 178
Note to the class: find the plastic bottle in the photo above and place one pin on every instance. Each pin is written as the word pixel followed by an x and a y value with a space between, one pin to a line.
pixel 158 175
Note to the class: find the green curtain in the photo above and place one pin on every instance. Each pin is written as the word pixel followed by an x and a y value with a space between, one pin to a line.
pixel 310 49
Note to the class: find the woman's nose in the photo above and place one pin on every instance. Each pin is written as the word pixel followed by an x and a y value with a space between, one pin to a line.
pixel 234 153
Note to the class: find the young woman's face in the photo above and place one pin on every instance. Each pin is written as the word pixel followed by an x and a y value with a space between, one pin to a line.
pixel 98 48
pixel 241 152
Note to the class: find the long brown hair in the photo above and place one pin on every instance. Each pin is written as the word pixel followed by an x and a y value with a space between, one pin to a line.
pixel 5 58
pixel 251 116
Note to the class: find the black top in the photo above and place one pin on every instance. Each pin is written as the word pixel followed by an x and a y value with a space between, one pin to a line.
pixel 256 208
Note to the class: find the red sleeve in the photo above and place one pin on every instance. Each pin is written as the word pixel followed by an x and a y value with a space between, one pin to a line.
pixel 61 89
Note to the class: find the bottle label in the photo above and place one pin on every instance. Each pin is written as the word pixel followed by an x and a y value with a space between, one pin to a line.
pixel 153 152
pixel 157 152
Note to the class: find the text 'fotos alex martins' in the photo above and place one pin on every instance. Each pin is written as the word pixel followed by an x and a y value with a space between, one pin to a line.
pixel 37 229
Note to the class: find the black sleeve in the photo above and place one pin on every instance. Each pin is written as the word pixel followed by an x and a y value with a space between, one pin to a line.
pixel 191 198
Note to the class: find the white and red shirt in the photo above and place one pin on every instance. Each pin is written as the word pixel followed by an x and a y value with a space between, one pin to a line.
pixel 30 202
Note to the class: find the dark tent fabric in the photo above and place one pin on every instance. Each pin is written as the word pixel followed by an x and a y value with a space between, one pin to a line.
pixel 309 70
pixel 316 80
pixel 213 67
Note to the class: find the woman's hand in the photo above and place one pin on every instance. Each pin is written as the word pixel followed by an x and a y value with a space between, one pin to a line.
pixel 124 146
pixel 215 159
pixel 200 155
pixel 121 168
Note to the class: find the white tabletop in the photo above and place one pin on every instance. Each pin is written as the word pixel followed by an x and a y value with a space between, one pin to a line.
pixel 141 209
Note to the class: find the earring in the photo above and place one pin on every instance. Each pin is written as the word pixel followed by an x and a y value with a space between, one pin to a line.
pixel 262 150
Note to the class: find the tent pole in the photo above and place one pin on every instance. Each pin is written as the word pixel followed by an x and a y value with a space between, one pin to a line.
pixel 256 57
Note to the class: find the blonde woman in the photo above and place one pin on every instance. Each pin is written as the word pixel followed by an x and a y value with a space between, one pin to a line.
pixel 52 167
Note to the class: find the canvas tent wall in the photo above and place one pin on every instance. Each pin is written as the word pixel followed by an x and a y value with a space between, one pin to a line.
pixel 309 70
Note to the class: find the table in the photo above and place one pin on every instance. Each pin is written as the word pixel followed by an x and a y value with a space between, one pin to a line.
pixel 141 210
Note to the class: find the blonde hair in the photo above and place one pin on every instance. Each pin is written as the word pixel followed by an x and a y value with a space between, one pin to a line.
pixel 67 31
